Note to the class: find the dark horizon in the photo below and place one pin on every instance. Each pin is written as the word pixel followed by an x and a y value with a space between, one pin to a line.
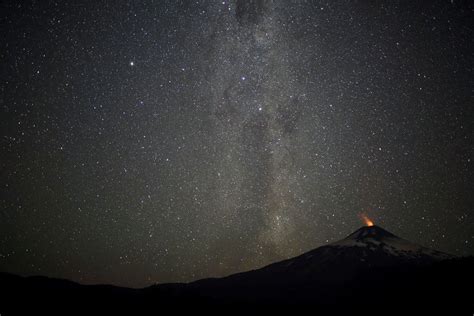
pixel 361 228
pixel 170 141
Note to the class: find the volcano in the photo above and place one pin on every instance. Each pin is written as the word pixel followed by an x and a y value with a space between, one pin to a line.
pixel 338 278
pixel 370 248
pixel 371 266
pixel 376 246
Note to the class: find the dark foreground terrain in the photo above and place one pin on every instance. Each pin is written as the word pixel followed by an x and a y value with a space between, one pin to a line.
pixel 371 271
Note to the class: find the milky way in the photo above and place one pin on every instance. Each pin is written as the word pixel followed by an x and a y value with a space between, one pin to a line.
pixel 170 141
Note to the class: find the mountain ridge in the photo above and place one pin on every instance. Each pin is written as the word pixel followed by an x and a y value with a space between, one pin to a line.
pixel 366 248
pixel 337 278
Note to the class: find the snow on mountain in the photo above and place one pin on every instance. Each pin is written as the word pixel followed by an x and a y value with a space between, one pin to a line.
pixel 376 238
pixel 368 247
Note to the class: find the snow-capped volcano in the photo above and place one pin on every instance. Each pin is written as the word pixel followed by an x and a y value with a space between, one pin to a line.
pixel 377 240
pixel 368 248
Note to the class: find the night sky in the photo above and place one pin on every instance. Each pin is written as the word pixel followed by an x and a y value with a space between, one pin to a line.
pixel 166 141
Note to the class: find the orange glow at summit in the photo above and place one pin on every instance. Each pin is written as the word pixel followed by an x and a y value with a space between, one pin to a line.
pixel 367 221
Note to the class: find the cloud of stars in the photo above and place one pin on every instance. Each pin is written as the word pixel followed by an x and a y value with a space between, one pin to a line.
pixel 167 141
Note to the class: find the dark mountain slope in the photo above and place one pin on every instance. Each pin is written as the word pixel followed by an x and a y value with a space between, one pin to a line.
pixel 370 269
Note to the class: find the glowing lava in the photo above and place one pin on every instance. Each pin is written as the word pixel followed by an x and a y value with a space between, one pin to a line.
pixel 367 221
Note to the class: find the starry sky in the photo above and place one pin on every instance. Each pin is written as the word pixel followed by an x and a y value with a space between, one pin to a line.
pixel 165 141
